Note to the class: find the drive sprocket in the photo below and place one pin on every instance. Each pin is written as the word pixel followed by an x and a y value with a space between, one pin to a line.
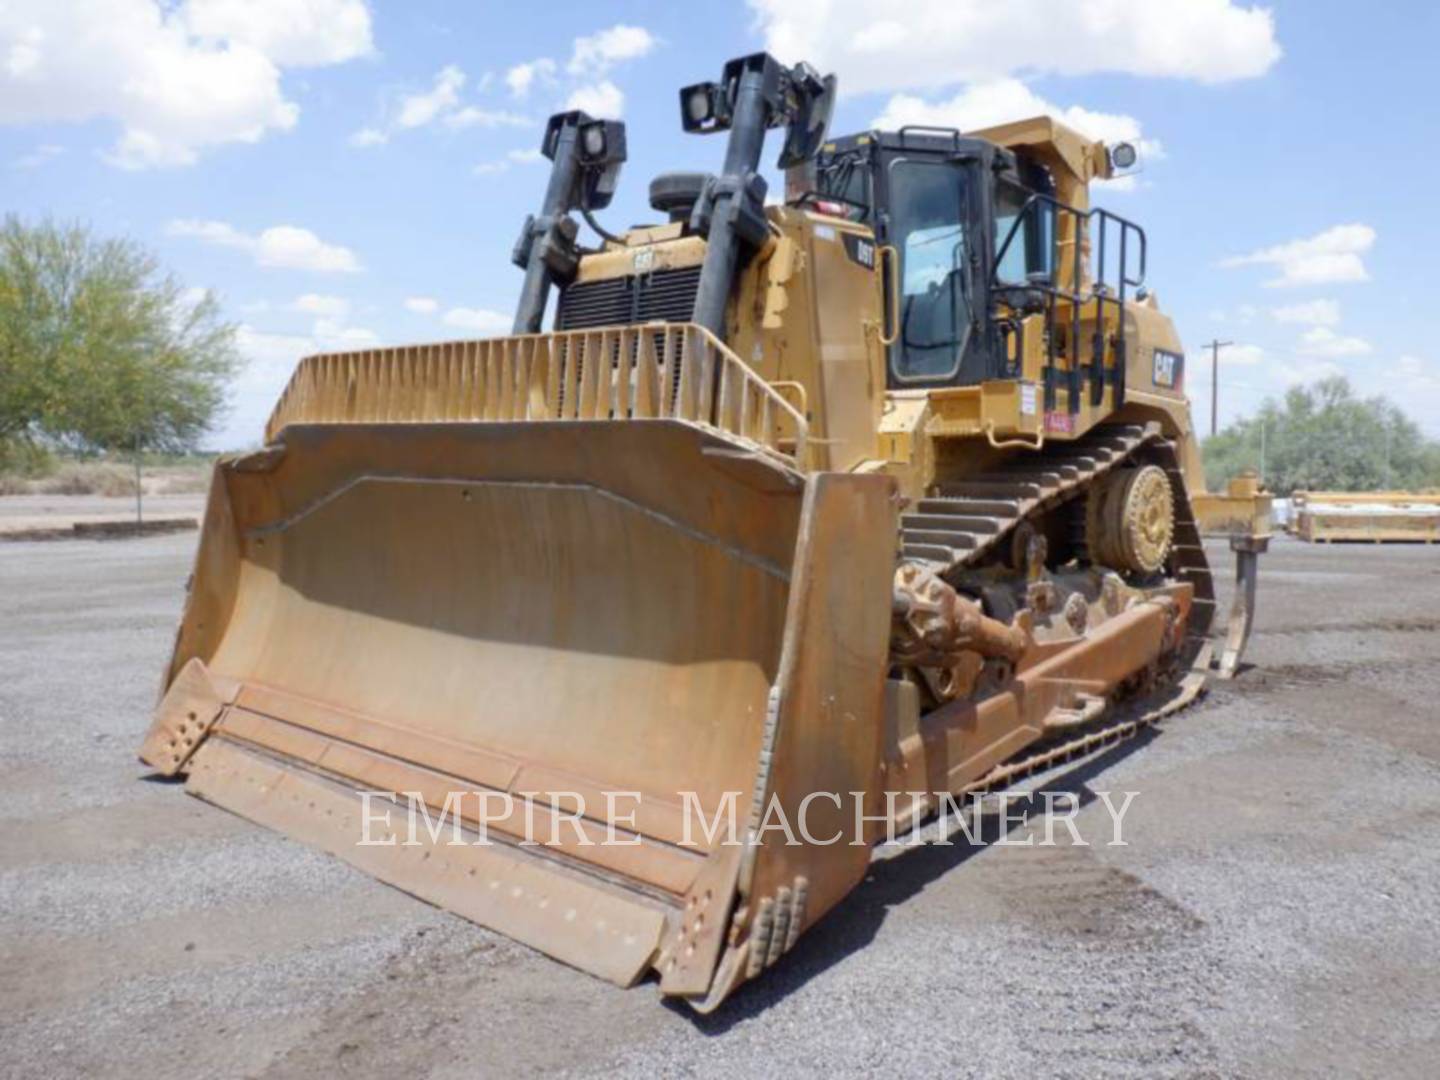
pixel 1130 519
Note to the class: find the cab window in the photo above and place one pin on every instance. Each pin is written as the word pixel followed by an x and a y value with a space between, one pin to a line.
pixel 927 227
pixel 1029 250
pixel 846 179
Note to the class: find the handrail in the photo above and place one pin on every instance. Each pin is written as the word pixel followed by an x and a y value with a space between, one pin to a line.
pixel 1038 443
pixel 782 385
pixel 654 371
pixel 890 251
pixel 1099 292
pixel 1082 219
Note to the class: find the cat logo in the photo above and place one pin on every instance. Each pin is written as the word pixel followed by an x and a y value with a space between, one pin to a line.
pixel 1169 369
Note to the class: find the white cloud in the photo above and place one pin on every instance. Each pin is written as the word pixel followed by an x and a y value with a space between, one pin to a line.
pixel 279 353
pixel 1237 355
pixel 39 156
pixel 329 307
pixel 308 33
pixel 1244 314
pixel 286 246
pixel 300 249
pixel 417 110
pixel 439 105
pixel 1309 313
pixel 479 320
pixel 1328 258
pixel 333 335
pixel 369 137
pixel 1003 100
pixel 937 43
pixel 591 59
pixel 270 361
pixel 522 77
pixel 1418 390
pixel 1324 343
pixel 514 157
pixel 598 53
pixel 1412 367
pixel 179 79
pixel 23 52
pixel 422 305
pixel 601 99
pixel 267 349
pixel 193 295
pixel 211 232
pixel 471 116
pixel 1297 372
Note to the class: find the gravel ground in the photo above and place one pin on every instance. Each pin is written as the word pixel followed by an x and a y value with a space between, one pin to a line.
pixel 1274 912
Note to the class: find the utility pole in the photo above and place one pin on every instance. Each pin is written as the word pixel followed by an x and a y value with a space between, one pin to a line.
pixel 1215 347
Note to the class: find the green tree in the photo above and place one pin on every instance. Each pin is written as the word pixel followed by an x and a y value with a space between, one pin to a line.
pixel 1324 437
pixel 100 349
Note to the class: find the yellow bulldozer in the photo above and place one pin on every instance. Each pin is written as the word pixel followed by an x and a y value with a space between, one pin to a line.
pixel 821 510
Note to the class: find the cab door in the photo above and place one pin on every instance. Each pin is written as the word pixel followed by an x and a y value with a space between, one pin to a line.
pixel 930 205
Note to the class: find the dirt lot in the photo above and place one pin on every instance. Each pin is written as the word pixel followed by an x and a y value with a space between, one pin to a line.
pixel 19 513
pixel 1277 910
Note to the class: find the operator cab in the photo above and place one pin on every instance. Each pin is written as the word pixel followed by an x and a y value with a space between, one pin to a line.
pixel 969 235
pixel 943 206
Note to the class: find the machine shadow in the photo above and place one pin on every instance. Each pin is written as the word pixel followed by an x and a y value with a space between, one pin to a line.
pixel 892 881
pixel 151 777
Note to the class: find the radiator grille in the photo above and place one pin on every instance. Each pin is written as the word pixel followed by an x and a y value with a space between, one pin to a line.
pixel 665 295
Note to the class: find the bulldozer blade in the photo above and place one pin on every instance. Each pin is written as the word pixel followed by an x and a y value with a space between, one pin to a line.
pixel 545 675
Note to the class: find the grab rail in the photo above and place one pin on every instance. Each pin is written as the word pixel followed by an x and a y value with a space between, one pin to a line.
pixel 1100 292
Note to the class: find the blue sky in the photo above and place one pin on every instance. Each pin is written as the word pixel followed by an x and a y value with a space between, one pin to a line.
pixel 344 174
